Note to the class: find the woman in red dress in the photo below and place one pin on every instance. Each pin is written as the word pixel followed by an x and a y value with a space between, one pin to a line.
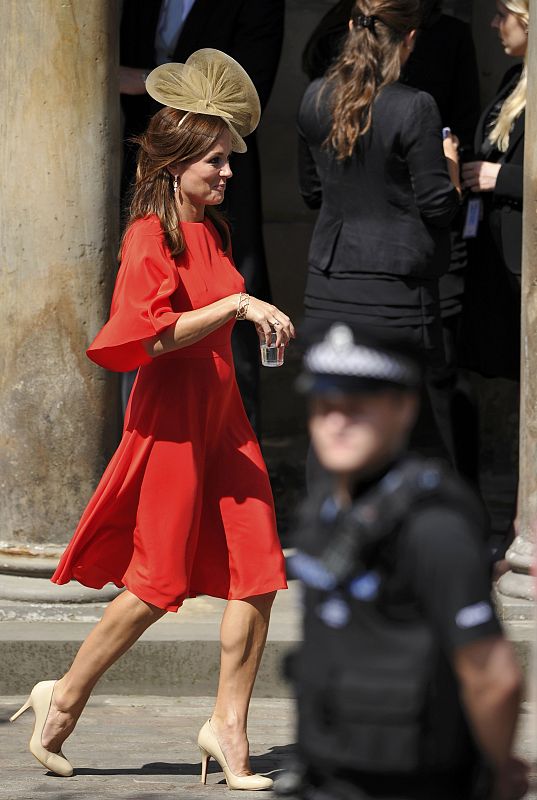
pixel 185 506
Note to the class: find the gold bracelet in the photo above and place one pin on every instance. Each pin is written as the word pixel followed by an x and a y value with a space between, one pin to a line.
pixel 242 306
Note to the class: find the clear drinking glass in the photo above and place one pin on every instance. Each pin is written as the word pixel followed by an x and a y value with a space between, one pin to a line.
pixel 271 355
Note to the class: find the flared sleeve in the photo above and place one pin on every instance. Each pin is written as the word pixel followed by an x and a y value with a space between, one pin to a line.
pixel 141 306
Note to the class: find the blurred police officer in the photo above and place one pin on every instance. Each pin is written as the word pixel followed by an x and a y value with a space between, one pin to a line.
pixel 406 687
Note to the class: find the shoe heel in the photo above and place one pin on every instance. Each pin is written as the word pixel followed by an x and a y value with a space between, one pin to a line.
pixel 25 707
pixel 204 761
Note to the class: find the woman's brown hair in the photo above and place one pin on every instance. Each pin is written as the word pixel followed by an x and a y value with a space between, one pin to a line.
pixel 166 143
pixel 369 60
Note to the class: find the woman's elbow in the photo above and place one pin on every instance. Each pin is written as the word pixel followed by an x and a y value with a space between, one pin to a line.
pixel 441 215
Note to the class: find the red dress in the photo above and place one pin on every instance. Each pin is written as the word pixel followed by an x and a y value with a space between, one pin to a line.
pixel 184 506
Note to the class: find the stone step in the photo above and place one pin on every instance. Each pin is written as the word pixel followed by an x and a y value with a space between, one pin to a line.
pixel 179 655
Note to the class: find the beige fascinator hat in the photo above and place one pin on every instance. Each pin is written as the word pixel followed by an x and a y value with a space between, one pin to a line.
pixel 210 82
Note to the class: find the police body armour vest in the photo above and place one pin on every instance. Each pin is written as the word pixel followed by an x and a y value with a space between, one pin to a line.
pixel 375 693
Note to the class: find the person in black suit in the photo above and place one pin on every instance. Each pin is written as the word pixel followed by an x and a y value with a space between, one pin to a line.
pixel 444 64
pixel 491 314
pixel 371 159
pixel 492 302
pixel 251 31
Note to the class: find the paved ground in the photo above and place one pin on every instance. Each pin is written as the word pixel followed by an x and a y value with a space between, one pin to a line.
pixel 144 748
pixel 138 749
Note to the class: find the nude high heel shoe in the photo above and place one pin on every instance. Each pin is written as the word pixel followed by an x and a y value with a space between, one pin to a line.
pixel 210 748
pixel 40 700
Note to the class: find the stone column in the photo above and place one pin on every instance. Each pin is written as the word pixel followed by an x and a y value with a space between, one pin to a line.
pixel 59 161
pixel 516 588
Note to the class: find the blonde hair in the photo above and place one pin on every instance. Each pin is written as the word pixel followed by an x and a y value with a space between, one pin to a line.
pixel 515 104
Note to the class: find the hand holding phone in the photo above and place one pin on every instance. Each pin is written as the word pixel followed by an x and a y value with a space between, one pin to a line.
pixel 451 144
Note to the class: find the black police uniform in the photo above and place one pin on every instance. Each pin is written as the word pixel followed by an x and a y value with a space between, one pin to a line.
pixel 392 587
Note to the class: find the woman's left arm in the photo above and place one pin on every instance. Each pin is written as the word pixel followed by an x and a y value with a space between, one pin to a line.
pixel 510 181
pixel 436 196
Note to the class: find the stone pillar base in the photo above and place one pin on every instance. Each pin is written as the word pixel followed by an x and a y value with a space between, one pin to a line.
pixel 513 598
pixel 26 579
pixel 517 584
pixel 41 590
pixel 32 565
pixel 515 593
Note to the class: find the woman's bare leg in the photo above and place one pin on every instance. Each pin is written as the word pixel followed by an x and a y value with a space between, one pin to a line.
pixel 123 622
pixel 243 635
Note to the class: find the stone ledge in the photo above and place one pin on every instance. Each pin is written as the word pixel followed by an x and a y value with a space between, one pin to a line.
pixel 36 566
pixel 167 668
pixel 41 590
pixel 180 654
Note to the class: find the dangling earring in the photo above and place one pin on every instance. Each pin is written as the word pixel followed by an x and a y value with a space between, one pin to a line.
pixel 175 183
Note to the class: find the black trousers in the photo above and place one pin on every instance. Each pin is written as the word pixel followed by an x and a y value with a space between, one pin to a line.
pixel 464 406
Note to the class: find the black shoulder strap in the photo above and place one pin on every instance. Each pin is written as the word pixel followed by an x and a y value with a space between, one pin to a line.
pixel 379 513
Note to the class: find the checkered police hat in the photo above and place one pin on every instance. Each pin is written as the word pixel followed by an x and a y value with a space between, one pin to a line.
pixel 347 360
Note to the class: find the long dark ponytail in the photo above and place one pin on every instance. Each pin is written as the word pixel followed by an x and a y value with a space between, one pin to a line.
pixel 369 60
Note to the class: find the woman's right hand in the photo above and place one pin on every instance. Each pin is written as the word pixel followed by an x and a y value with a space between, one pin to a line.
pixel 451 152
pixel 451 147
pixel 268 318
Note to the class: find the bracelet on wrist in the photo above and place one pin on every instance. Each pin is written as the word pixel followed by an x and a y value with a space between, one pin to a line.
pixel 242 306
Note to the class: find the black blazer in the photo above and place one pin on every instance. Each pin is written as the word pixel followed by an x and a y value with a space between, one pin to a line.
pixel 504 206
pixel 443 63
pixel 388 208
pixel 251 31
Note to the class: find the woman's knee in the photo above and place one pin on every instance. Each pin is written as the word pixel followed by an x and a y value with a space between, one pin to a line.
pixel 129 605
